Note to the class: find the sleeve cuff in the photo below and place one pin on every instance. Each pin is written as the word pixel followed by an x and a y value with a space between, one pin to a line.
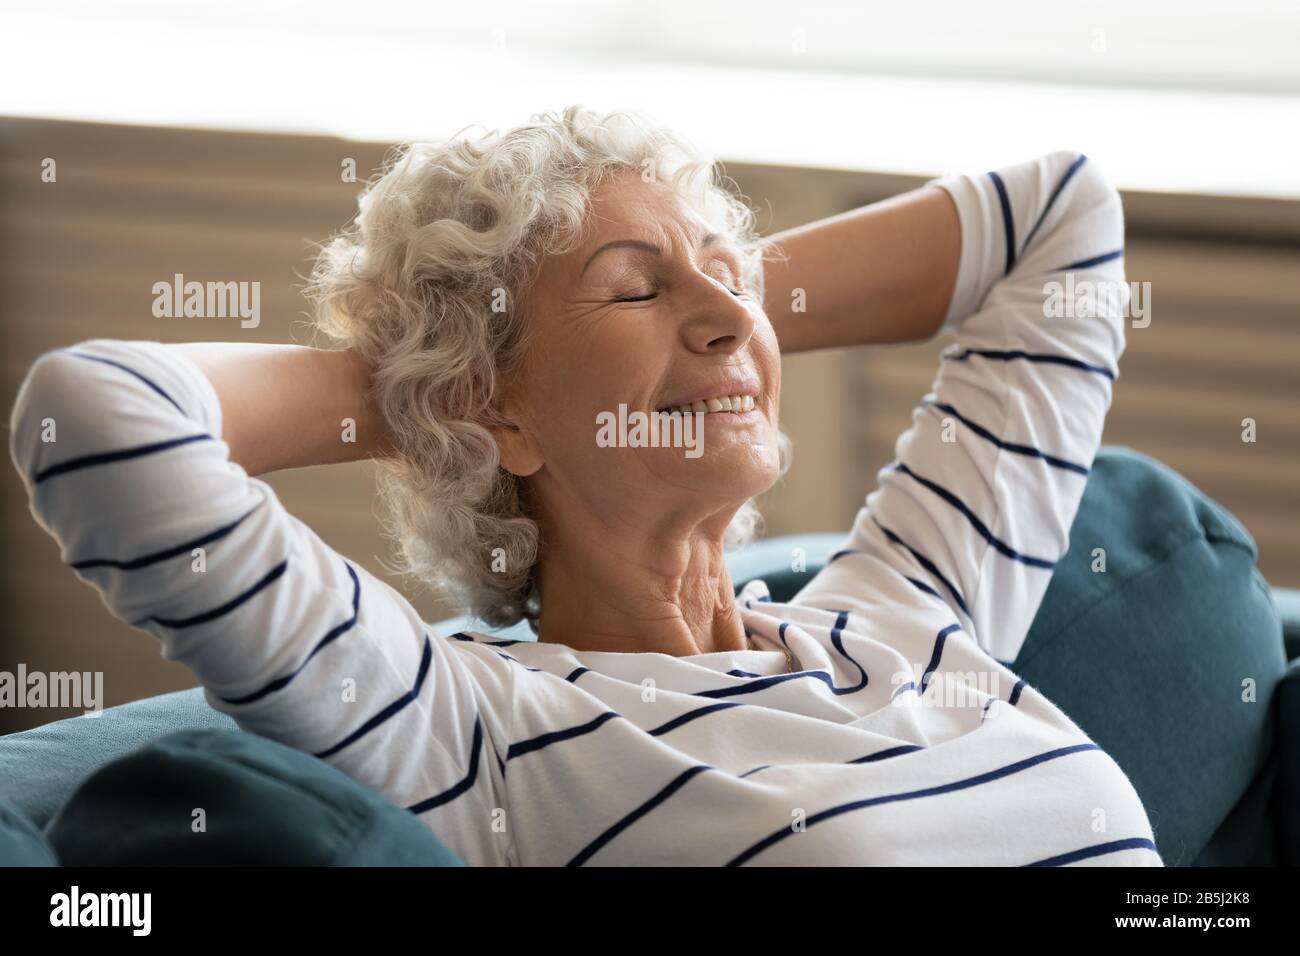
pixel 974 278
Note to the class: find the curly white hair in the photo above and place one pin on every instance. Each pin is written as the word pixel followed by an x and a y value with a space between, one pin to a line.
pixel 445 233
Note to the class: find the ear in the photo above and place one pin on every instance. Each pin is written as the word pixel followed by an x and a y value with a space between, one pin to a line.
pixel 520 452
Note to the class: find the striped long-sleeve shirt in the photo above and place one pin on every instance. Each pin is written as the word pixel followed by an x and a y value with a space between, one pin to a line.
pixel 899 737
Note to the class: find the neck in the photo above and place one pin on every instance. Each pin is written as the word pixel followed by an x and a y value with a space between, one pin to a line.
pixel 665 593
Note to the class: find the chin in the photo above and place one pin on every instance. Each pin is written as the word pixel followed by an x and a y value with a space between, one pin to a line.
pixel 735 470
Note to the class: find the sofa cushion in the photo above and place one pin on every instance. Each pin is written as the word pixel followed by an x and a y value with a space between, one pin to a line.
pixel 21 843
pixel 225 797
pixel 40 767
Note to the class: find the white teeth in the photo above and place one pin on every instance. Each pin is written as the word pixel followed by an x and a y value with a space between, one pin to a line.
pixel 728 403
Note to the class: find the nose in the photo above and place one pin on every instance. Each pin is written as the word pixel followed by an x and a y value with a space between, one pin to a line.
pixel 713 319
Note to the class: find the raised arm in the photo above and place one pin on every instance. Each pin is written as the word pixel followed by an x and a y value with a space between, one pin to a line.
pixel 872 276
pixel 123 447
pixel 976 508
pixel 286 406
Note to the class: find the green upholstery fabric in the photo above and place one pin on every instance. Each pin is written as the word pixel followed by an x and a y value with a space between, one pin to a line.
pixel 259 802
pixel 21 843
pixel 39 768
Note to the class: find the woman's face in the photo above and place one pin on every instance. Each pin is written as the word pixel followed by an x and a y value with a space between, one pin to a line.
pixel 644 313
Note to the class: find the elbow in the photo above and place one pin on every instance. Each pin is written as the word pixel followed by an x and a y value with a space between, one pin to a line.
pixel 1090 239
pixel 1098 198
pixel 42 407
pixel 1099 203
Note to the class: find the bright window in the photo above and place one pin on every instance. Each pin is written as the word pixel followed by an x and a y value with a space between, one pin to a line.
pixel 1196 95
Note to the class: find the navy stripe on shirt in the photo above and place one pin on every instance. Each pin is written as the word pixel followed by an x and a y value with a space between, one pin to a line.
pixel 464 785
pixel 888 752
pixel 687 717
pixel 618 827
pixel 922 586
pixel 333 634
pixel 837 632
pixel 1094 261
pixel 759 683
pixel 504 655
pixel 1038 357
pixel 130 371
pixel 1008 221
pixel 395 707
pixel 1015 692
pixel 928 565
pixel 555 736
pixel 750 686
pixel 937 655
pixel 1060 187
pixel 963 784
pixel 685 777
pixel 1000 546
pixel 489 642
pixel 267 580
pixel 135 564
pixel 754 685
pixel 110 457
pixel 1100 849
pixel 1028 450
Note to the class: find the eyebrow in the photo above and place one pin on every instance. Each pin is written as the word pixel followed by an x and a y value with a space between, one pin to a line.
pixel 644 246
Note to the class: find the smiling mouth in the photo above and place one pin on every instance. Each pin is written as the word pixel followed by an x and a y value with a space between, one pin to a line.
pixel 727 403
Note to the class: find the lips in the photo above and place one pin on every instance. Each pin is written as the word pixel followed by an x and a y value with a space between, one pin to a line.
pixel 708 396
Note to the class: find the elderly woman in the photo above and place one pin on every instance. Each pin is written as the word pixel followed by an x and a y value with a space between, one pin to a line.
pixel 495 299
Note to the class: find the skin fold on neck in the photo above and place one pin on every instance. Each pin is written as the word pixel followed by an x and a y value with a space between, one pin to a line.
pixel 669 593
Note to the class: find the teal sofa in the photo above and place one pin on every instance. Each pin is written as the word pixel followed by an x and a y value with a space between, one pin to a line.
pixel 1179 660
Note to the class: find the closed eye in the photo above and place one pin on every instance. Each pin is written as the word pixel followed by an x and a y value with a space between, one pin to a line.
pixel 650 295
